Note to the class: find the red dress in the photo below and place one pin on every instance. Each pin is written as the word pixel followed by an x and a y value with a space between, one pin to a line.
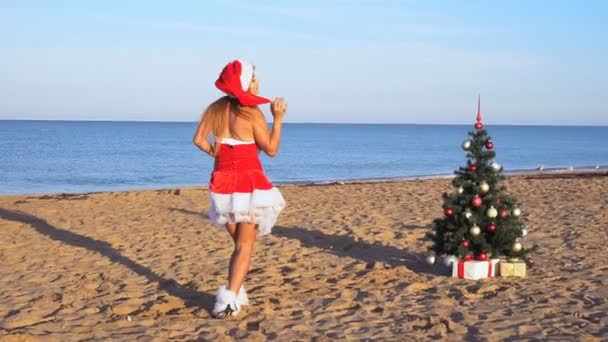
pixel 240 192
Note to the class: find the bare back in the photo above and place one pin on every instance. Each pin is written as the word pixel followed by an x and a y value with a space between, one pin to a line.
pixel 240 127
pixel 248 124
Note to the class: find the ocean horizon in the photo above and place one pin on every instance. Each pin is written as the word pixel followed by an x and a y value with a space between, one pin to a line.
pixel 318 123
pixel 66 156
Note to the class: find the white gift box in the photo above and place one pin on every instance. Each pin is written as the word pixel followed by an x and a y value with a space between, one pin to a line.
pixel 474 269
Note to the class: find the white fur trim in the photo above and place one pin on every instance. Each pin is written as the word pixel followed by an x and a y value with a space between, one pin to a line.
pixel 246 74
pixel 234 142
pixel 241 297
pixel 223 298
pixel 261 207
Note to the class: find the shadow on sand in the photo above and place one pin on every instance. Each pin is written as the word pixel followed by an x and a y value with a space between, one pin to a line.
pixel 202 214
pixel 346 245
pixel 191 298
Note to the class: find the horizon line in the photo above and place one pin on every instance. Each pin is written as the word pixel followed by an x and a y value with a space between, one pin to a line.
pixel 318 123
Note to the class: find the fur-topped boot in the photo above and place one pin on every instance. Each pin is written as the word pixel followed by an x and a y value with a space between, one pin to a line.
pixel 226 303
pixel 241 297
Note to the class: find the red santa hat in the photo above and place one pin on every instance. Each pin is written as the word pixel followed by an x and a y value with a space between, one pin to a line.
pixel 235 79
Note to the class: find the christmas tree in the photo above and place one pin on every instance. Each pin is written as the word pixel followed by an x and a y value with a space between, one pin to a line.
pixel 481 220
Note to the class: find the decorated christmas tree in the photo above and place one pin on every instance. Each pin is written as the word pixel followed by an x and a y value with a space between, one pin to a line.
pixel 481 220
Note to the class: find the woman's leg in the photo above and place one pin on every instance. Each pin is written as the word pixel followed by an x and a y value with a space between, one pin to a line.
pixel 231 228
pixel 228 300
pixel 239 263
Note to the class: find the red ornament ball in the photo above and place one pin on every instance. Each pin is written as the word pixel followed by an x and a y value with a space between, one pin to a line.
pixel 476 201
pixel 482 256
pixel 491 228
pixel 448 211
pixel 468 257
pixel 465 243
pixel 489 144
pixel 478 126
pixel 472 167
pixel 504 214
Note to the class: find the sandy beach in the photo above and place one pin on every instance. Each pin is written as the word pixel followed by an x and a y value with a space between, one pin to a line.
pixel 345 262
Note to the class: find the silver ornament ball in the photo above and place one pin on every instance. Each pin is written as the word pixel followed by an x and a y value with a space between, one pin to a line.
pixel 495 166
pixel 516 212
pixel 460 190
pixel 524 231
pixel 430 259
pixel 449 260
pixel 466 144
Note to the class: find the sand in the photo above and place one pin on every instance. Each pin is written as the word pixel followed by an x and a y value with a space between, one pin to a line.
pixel 345 262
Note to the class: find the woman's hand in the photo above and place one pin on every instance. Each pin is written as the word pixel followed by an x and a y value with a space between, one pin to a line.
pixel 212 152
pixel 278 108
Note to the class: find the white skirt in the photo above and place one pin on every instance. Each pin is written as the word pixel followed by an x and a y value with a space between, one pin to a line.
pixel 261 207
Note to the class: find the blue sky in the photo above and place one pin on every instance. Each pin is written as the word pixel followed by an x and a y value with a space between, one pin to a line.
pixel 534 62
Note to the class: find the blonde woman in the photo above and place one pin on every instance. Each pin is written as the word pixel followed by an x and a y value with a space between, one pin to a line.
pixel 242 199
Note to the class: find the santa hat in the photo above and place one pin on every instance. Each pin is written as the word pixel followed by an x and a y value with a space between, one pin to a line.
pixel 235 80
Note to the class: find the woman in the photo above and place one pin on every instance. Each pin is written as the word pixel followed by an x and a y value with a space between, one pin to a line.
pixel 242 198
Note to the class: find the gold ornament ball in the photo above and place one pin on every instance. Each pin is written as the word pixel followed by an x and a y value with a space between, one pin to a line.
pixel 492 212
pixel 468 214
pixel 517 247
pixel 516 212
pixel 460 190
pixel 430 259
pixel 466 144
pixel 484 187
pixel 475 230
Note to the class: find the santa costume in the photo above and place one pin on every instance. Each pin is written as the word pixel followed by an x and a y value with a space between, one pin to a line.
pixel 239 189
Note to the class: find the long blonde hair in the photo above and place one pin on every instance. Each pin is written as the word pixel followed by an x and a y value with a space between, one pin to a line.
pixel 216 117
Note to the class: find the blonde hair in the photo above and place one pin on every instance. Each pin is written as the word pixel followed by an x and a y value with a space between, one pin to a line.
pixel 216 117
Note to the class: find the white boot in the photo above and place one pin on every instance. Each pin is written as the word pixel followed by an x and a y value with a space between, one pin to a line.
pixel 226 303
pixel 241 297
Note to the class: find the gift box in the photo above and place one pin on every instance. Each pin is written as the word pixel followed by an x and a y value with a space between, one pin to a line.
pixel 474 269
pixel 512 268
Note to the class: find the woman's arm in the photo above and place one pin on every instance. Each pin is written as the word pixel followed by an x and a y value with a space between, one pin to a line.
pixel 200 140
pixel 269 142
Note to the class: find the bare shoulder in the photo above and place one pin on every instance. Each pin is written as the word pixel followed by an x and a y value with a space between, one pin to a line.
pixel 254 114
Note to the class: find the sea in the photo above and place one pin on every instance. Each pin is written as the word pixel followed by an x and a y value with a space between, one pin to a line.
pixel 38 157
